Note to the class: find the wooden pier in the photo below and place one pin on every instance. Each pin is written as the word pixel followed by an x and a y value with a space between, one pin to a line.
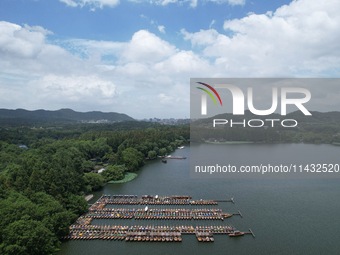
pixel 175 157
pixel 158 214
pixel 172 157
pixel 147 233
pixel 84 230
pixel 250 233
pixel 156 200
pixel 238 213
pixel 88 197
pixel 231 200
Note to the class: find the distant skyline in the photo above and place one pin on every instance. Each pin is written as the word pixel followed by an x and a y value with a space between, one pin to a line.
pixel 137 57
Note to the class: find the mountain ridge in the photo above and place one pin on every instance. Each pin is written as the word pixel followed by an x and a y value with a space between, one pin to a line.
pixel 61 115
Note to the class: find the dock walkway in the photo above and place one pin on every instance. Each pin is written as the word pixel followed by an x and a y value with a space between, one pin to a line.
pixel 146 233
pixel 84 230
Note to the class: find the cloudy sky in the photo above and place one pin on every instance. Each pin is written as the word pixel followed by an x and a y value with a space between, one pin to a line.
pixel 137 57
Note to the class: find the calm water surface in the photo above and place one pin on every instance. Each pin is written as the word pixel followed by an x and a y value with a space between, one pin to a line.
pixel 289 215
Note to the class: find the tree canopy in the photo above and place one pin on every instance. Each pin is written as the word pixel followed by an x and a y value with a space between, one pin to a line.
pixel 43 184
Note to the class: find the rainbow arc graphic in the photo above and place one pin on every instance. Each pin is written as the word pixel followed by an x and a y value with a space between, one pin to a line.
pixel 212 93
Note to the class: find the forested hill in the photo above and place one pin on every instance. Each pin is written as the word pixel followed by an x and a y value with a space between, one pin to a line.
pixel 21 116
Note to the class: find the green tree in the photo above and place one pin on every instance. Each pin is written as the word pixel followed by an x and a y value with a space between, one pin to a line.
pixel 59 222
pixel 162 152
pixel 36 182
pixel 169 149
pixel 75 204
pixel 114 172
pixel 132 159
pixel 15 207
pixel 93 181
pixel 24 237
pixel 51 213
pixel 17 177
pixel 152 154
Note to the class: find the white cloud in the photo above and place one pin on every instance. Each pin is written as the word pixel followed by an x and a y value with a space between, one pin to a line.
pixel 22 41
pixel 37 74
pixel 148 76
pixel 93 49
pixel 146 47
pixel 93 4
pixel 70 3
pixel 184 62
pixel 161 29
pixel 74 88
pixel 193 3
pixel 166 99
pixel 230 2
pixel 297 39
pixel 165 2
pixel 203 37
pixel 236 2
pixel 154 23
pixel 76 74
pixel 212 23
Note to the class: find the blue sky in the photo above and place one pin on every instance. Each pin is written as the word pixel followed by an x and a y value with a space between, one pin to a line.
pixel 137 57
pixel 122 20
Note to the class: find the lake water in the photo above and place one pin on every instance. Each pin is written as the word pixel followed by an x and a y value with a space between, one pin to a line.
pixel 294 214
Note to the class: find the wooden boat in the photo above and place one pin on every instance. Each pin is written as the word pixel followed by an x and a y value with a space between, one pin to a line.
pixel 236 233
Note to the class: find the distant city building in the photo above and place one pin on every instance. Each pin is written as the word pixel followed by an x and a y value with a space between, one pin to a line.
pixel 170 121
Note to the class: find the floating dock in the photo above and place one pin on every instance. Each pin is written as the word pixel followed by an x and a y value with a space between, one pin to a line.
pixel 175 157
pixel 172 157
pixel 84 230
pixel 146 233
pixel 251 233
pixel 238 213
pixel 156 200
pixel 231 200
pixel 158 214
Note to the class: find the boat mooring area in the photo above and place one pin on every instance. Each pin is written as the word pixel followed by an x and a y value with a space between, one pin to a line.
pixel 130 209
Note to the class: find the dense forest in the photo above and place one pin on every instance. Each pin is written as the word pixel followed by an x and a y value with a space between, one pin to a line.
pixel 46 171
